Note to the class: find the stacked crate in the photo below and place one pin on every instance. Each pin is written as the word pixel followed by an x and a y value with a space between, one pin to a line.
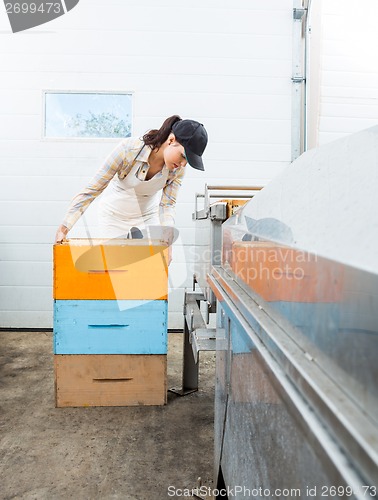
pixel 110 322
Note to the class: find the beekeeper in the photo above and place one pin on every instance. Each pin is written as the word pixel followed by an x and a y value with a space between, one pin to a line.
pixel 142 177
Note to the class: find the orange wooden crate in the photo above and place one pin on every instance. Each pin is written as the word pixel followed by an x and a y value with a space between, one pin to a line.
pixel 110 379
pixel 120 269
pixel 279 273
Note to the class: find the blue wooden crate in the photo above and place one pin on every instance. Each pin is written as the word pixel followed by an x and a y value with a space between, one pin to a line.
pixel 110 327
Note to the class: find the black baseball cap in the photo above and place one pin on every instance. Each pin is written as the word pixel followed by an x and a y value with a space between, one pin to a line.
pixel 193 136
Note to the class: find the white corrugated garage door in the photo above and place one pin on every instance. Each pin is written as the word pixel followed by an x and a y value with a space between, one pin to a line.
pixel 229 67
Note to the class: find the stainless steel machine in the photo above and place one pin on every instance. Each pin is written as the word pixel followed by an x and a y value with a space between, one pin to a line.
pixel 296 299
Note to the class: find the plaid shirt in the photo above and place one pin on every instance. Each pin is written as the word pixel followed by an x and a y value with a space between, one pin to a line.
pixel 120 161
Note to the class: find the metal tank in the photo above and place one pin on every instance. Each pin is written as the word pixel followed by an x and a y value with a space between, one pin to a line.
pixel 296 410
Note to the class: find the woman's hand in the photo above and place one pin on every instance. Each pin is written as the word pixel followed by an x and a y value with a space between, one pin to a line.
pixel 167 238
pixel 61 234
pixel 168 234
pixel 169 254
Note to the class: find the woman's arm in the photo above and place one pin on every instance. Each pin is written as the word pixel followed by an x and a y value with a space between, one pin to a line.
pixel 167 207
pixel 61 234
pixel 112 164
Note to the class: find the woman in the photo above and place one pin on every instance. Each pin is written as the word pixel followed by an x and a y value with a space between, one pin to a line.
pixel 135 174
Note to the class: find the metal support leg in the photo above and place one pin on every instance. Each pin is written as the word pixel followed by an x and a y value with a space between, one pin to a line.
pixel 190 367
pixel 197 337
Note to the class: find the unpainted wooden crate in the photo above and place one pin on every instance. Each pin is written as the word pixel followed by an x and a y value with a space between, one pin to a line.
pixel 110 380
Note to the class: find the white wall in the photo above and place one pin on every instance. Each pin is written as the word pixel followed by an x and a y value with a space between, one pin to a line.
pixel 226 65
pixel 345 41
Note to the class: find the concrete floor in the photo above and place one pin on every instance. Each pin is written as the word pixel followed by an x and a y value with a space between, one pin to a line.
pixel 129 453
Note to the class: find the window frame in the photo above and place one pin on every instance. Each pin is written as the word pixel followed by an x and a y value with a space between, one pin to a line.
pixel 83 139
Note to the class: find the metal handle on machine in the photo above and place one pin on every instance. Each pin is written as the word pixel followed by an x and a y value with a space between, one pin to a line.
pixel 201 214
pixel 204 213
pixel 234 188
pixel 207 201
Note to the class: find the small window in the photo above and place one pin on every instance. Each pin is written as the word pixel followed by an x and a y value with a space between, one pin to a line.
pixel 87 114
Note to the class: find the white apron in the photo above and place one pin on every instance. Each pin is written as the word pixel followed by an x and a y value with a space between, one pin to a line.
pixel 130 202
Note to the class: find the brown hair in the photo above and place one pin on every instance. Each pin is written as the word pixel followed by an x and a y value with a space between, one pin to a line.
pixel 155 138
